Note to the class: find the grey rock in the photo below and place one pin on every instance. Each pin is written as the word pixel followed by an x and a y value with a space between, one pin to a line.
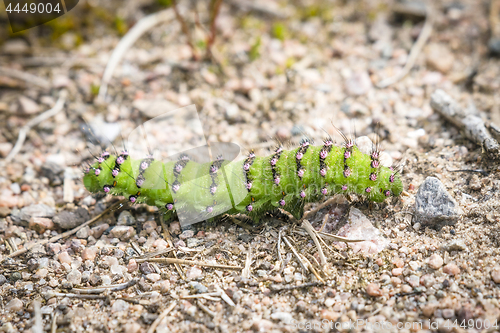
pixel 125 218
pixel 83 233
pixel 147 268
pixel 23 216
pixel 186 234
pixel 200 289
pixel 54 172
pixel 494 46
pixel 95 280
pixel 3 279
pixel 15 277
pixel 434 207
pixel 70 220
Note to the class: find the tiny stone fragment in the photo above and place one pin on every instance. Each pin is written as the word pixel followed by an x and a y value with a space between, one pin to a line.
pixel 14 305
pixel 451 269
pixel 373 289
pixel 435 261
pixel 495 274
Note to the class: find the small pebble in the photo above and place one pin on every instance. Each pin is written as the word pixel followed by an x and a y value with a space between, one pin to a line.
pixel 146 268
pixel 397 271
pixel 330 315
pixel 285 317
pixel 132 266
pixel 153 277
pixel 164 286
pixel 398 262
pixel 373 289
pixel 262 325
pixel 132 328
pixel 329 301
pixel 396 282
pixel 414 281
pixel 406 288
pixel 414 265
pixel 41 273
pixel 98 230
pixel 126 218
pixel 200 288
pixel 83 233
pixel 186 234
pixel 89 253
pixel 495 274
pixel 448 313
pixel 435 261
pixel 14 305
pixel 40 224
pixel 120 305
pixel 193 273
pixel 451 269
pixel 74 277
pixel 122 232
pixel 95 280
pixel 64 257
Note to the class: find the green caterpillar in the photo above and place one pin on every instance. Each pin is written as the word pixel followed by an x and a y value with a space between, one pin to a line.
pixel 287 179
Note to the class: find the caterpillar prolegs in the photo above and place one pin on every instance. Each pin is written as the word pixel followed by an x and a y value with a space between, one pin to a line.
pixel 287 179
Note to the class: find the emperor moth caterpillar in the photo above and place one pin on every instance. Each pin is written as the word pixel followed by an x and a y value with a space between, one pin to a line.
pixel 286 179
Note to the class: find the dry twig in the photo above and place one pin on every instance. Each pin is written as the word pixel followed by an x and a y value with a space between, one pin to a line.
pixel 155 324
pixel 201 295
pixel 205 309
pixel 35 121
pixel 473 126
pixel 27 77
pixel 304 266
pixel 224 296
pixel 168 237
pixel 71 295
pixel 38 322
pixel 310 230
pixel 187 262
pixel 143 25
pixel 416 48
pixel 115 287
pixel 246 271
pixel 53 326
pixel 279 287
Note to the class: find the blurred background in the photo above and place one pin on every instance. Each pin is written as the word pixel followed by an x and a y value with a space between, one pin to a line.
pixel 259 72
